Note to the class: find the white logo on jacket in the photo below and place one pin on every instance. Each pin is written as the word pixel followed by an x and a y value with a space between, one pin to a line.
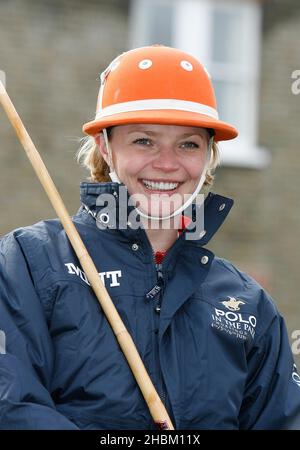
pixel 112 275
pixel 240 325
pixel 233 303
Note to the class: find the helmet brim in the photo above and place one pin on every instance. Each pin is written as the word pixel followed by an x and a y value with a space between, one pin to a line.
pixel 223 130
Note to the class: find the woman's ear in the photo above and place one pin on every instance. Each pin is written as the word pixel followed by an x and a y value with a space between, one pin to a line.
pixel 100 141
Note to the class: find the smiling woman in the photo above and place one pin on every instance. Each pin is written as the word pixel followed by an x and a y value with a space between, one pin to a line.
pixel 166 145
pixel 160 164
pixel 211 338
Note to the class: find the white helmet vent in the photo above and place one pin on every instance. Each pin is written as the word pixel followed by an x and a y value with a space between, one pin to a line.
pixel 145 64
pixel 186 65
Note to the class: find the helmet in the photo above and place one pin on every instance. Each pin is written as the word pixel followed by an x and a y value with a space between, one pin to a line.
pixel 157 85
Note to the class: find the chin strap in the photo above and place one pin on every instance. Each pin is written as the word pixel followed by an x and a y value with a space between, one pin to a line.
pixel 112 174
pixel 193 195
pixel 114 177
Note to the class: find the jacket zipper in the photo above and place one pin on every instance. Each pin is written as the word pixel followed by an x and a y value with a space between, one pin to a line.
pixel 154 297
pixel 157 307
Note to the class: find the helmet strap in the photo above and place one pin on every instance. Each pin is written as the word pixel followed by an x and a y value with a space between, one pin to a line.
pixel 112 173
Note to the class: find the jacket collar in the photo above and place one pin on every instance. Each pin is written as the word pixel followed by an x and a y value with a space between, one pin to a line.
pixel 216 207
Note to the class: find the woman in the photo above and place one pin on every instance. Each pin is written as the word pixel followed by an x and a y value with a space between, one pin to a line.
pixel 211 339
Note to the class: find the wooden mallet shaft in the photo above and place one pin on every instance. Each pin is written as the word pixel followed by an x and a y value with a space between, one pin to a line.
pixel 155 405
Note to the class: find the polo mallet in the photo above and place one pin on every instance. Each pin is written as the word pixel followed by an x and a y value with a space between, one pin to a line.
pixel 155 405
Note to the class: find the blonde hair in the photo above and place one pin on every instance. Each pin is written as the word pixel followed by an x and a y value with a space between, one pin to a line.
pixel 89 156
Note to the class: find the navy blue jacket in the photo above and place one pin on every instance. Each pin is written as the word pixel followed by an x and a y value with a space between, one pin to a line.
pixel 211 339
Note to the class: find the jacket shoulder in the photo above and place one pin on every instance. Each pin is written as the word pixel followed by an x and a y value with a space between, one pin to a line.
pixel 39 245
pixel 34 237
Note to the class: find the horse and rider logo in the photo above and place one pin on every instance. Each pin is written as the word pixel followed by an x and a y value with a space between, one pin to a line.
pixel 233 304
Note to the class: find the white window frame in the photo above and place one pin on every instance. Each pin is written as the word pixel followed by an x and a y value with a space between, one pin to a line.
pixel 196 40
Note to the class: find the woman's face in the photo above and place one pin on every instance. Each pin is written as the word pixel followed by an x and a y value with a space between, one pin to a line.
pixel 160 164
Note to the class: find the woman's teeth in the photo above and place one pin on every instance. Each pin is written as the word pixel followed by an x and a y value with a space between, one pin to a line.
pixel 159 185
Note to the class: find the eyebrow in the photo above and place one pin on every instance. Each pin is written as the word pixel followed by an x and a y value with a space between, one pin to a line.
pixel 193 134
pixel 154 133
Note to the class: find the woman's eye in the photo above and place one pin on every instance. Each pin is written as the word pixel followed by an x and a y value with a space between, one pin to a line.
pixel 189 145
pixel 142 141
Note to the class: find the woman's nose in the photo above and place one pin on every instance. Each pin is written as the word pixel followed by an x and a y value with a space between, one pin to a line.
pixel 166 160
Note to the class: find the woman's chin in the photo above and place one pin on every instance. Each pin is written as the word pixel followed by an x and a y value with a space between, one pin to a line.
pixel 159 210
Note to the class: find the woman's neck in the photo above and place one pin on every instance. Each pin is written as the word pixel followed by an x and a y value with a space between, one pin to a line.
pixel 162 235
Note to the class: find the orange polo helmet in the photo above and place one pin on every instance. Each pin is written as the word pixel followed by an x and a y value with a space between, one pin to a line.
pixel 157 85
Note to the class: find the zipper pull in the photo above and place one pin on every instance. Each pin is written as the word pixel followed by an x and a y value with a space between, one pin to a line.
pixel 158 286
pixel 153 292
pixel 160 282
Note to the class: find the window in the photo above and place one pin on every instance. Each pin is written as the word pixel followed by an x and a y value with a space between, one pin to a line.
pixel 225 36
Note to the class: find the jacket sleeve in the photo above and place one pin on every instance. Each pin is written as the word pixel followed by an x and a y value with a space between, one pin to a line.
pixel 26 351
pixel 272 393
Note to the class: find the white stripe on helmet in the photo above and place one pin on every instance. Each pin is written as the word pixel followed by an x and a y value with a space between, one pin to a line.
pixel 157 104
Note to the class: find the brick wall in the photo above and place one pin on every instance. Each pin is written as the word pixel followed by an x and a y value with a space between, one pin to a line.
pixel 262 236
pixel 280 112
pixel 52 52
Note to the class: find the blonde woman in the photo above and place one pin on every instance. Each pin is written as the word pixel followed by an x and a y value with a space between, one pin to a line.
pixel 211 338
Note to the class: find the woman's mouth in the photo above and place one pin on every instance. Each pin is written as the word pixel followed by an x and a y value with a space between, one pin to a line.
pixel 160 186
